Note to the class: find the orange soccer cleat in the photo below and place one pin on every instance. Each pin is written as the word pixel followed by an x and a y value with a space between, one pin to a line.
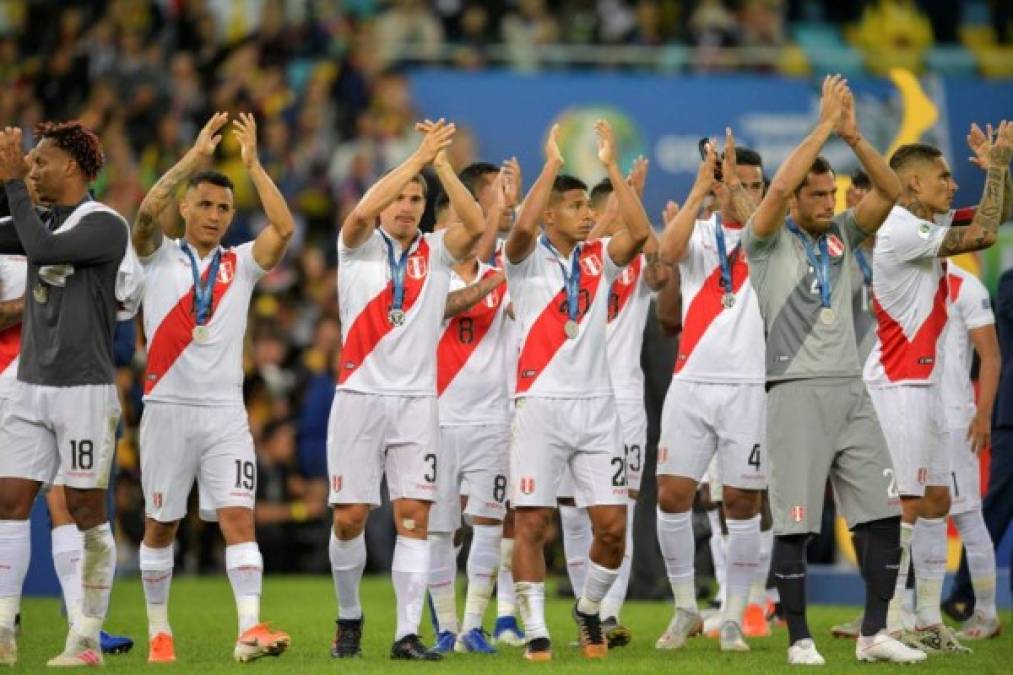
pixel 754 621
pixel 260 640
pixel 161 649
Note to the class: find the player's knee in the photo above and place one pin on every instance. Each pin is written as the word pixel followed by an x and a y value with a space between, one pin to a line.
pixel 349 520
pixel 935 503
pixel 612 535
pixel 675 495
pixel 741 504
pixel 87 507
pixel 16 499
pixel 532 525
pixel 158 534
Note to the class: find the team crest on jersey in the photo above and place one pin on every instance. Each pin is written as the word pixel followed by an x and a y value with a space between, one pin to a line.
pixel 336 483
pixel 797 513
pixel 416 267
pixel 226 271
pixel 491 300
pixel 628 276
pixel 527 484
pixel 591 265
pixel 835 247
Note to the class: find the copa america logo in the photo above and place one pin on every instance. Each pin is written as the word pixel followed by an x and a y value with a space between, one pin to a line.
pixel 579 143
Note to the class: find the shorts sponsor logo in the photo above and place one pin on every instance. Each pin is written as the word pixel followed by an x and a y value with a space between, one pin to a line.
pixel 835 247
pixel 226 272
pixel 591 265
pixel 527 484
pixel 156 500
pixel 416 267
pixel 797 513
pixel 336 483
pixel 923 474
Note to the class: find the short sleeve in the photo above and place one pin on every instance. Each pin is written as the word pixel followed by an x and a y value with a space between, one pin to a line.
pixel 612 270
pixel 760 247
pixel 850 229
pixel 974 304
pixel 248 266
pixel 912 239
pixel 438 240
pixel 149 261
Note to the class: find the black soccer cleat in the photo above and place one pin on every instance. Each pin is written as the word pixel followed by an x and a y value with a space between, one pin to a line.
pixel 957 609
pixel 538 649
pixel 616 634
pixel 590 633
pixel 410 648
pixel 348 638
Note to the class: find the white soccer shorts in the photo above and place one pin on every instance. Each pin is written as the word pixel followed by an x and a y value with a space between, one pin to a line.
pixel 474 464
pixel 965 473
pixel 633 420
pixel 909 416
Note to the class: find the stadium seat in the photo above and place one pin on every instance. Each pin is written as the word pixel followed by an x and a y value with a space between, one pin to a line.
pixel 952 60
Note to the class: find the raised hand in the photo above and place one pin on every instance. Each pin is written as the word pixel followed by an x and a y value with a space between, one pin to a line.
pixel 835 89
pixel 847 125
pixel 552 152
pixel 209 137
pixel 245 130
pixel 438 136
pixel 606 142
pixel 980 143
pixel 12 158
pixel 638 175
pixel 729 163
pixel 511 173
pixel 669 213
pixel 1002 149
pixel 705 175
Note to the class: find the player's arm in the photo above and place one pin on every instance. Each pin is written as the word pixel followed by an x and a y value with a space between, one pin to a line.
pixel 465 298
pixel 270 244
pixel 679 222
pixel 359 224
pixel 523 236
pixel 147 232
pixel 980 142
pixel 986 343
pixel 743 205
pixel 983 230
pixel 628 242
pixel 871 212
pixel 462 236
pixel 769 215
pixel 507 187
pixel 11 311
pixel 668 309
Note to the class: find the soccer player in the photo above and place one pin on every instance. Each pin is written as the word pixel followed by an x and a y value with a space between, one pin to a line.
pixel 903 371
pixel 471 383
pixel 967 432
pixel 194 424
pixel 565 408
pixel 64 410
pixel 715 403
pixel 392 283
pixel 861 274
pixel 820 421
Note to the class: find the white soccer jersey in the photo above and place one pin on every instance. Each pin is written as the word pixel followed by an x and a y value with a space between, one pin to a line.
pixel 970 308
pixel 13 269
pixel 180 368
pixel 550 364
pixel 376 356
pixel 718 344
pixel 909 289
pixel 629 302
pixel 471 378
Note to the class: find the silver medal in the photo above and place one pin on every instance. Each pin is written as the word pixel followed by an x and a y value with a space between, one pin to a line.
pixel 396 317
pixel 40 293
pixel 728 300
pixel 570 329
pixel 827 316
pixel 201 334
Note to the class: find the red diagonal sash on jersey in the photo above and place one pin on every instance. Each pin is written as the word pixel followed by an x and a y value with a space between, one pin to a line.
pixel 623 287
pixel 955 283
pixel 546 335
pixel 176 330
pixel 372 324
pixel 463 335
pixel 10 345
pixel 912 359
pixel 706 307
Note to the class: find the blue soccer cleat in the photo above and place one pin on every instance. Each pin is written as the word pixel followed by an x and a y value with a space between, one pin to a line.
pixel 444 642
pixel 507 632
pixel 115 644
pixel 475 641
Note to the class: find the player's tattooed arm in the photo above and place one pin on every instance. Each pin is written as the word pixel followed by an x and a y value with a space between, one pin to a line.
pixel 986 343
pixel 147 232
pixel 523 236
pixel 270 244
pixel 465 298
pixel 743 205
pixel 10 312
pixel 983 230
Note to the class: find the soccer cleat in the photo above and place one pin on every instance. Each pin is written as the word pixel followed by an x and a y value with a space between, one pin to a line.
pixel 162 649
pixel 410 648
pixel 507 632
pixel 475 641
pixel 731 638
pixel 754 621
pixel 348 638
pixel 712 624
pixel 803 653
pixel 538 649
pixel 8 647
pixel 258 641
pixel 980 627
pixel 616 634
pixel 684 624
pixel 912 639
pixel 114 644
pixel 940 638
pixel 589 632
pixel 850 630
pixel 445 642
pixel 80 652
pixel 883 647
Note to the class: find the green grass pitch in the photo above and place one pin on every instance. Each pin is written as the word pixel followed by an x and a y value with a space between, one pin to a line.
pixel 203 619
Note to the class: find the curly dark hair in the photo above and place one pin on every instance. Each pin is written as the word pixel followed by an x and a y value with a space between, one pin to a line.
pixel 76 140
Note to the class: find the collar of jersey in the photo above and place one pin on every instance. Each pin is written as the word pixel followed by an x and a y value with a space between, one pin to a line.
pixel 183 242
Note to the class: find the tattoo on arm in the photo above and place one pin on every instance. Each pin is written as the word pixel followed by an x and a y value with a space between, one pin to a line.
pixel 10 312
pixel 146 231
pixel 982 231
pixel 465 298
pixel 742 204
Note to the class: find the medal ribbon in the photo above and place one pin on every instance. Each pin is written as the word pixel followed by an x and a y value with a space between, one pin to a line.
pixel 202 292
pixel 397 270
pixel 571 282
pixel 724 259
pixel 821 266
pixel 863 264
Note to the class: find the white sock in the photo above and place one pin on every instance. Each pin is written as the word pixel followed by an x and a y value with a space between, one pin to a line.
pixel 410 572
pixel 483 559
pixel 348 560
pixel 15 551
pixel 743 554
pixel 505 598
pixel 980 559
pixel 717 546
pixel 245 567
pixel 68 549
pixel 678 548
pixel 576 543
pixel 531 602
pixel 758 589
pixel 928 549
pixel 98 569
pixel 613 602
pixel 896 607
pixel 156 577
pixel 442 573
pixel 597 583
